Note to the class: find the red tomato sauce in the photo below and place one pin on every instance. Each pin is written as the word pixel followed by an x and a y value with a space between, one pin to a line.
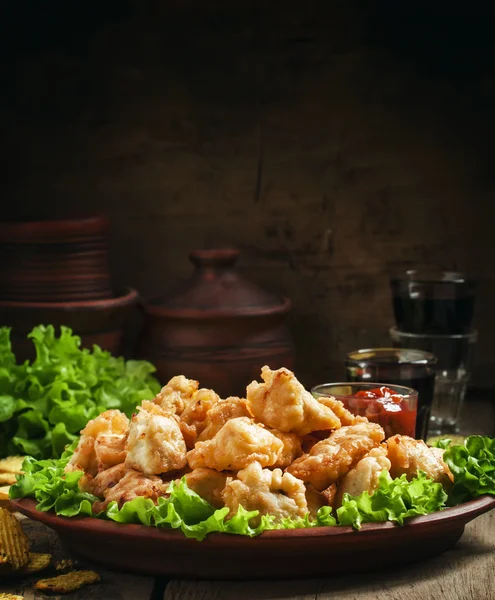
pixel 383 406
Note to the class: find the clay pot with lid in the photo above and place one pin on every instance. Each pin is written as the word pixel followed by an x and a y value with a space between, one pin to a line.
pixel 217 328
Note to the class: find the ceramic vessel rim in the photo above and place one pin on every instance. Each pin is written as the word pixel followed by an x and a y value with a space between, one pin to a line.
pixel 193 313
pixel 130 297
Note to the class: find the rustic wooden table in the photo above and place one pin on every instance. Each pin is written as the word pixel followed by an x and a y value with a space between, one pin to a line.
pixel 467 572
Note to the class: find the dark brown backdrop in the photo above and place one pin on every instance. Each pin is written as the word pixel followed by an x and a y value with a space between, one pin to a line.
pixel 331 144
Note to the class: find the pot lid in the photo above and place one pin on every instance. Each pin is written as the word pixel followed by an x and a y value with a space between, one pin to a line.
pixel 216 289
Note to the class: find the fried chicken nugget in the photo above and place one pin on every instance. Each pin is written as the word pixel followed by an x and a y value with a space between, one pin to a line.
pixel 172 397
pixel 365 475
pixel 291 450
pixel 182 397
pixel 345 416
pixel 239 442
pixel 408 455
pixel 209 484
pixel 220 413
pixel 111 422
pixel 155 444
pixel 196 408
pixel 315 500
pixel 282 403
pixel 270 492
pixel 332 458
pixel 131 485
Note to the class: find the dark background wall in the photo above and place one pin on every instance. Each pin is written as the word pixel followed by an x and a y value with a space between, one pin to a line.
pixel 330 142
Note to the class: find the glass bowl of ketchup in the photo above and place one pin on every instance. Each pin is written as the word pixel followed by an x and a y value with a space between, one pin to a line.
pixel 394 407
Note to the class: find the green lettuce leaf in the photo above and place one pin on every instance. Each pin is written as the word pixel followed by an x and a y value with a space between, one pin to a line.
pixel 394 500
pixel 473 466
pixel 47 482
pixel 45 403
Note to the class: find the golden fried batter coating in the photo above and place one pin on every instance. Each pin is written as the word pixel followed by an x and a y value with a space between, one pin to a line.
pixel 291 450
pixel 103 481
pixel 408 455
pixel 172 396
pixel 364 476
pixel 85 458
pixel 110 450
pixel 130 486
pixel 345 416
pixel 332 458
pixel 270 492
pixel 238 443
pixel 209 484
pixel 220 413
pixel 155 444
pixel 196 408
pixel 315 500
pixel 282 403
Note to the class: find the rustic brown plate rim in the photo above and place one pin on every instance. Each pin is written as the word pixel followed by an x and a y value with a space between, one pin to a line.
pixel 465 512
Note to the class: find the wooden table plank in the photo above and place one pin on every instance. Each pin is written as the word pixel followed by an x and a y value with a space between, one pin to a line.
pixel 113 586
pixel 467 572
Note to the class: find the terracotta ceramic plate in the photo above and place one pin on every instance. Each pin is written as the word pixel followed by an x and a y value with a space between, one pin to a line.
pixel 294 553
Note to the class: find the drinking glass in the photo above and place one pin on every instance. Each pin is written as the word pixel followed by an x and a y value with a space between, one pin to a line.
pixel 433 301
pixel 396 413
pixel 397 366
pixel 454 357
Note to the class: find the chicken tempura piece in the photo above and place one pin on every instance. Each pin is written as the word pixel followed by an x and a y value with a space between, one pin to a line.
pixel 128 487
pixel 345 416
pixel 270 492
pixel 110 450
pixel 155 443
pixel 220 413
pixel 315 500
pixel 408 455
pixel 291 450
pixel 85 458
pixel 196 409
pixel 172 397
pixel 238 443
pixel 364 476
pixel 208 484
pixel 182 397
pixel 332 458
pixel 105 480
pixel 282 403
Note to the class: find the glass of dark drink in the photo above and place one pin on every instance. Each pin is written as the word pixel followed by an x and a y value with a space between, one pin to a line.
pixel 398 366
pixel 433 301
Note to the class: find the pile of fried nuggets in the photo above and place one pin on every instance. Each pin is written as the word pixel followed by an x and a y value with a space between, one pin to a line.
pixel 279 450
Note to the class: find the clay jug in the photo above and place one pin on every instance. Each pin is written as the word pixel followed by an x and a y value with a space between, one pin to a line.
pixel 217 328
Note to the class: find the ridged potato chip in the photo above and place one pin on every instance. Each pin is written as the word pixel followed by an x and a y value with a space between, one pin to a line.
pixel 7 479
pixel 10 597
pixel 4 492
pixel 11 464
pixel 37 562
pixel 13 541
pixel 65 565
pixel 63 584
